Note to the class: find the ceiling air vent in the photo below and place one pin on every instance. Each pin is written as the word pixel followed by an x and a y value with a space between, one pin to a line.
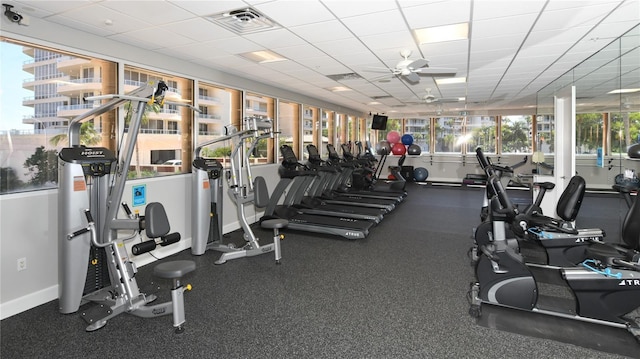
pixel 345 77
pixel 243 21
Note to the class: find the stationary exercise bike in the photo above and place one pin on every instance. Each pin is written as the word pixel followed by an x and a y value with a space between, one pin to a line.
pixel 541 239
pixel 605 288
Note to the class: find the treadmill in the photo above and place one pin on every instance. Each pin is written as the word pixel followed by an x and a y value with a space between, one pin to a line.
pixel 367 163
pixel 302 197
pixel 349 228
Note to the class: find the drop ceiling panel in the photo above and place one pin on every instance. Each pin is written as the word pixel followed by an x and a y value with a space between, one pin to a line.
pixel 204 8
pixel 438 13
pixel 275 38
pixel 322 31
pixel 291 13
pixel 393 40
pixel 155 13
pixel 199 30
pixel 344 9
pixel 341 47
pixel 497 9
pixel 376 23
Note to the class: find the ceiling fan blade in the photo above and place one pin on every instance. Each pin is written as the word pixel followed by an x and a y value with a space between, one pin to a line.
pixel 412 77
pixel 417 64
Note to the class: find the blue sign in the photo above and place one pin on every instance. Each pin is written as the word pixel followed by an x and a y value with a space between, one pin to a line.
pixel 140 195
pixel 599 158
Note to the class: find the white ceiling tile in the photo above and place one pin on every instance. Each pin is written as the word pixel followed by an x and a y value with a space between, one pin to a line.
pixel 203 8
pixel 152 12
pixel 376 23
pixel 275 38
pixel 322 31
pixel 199 29
pixel 438 13
pixel 291 13
pixel 490 28
pixel 393 40
pixel 496 9
pixel 344 46
pixel 342 8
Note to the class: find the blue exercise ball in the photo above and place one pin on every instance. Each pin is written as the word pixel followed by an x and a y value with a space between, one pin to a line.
pixel 414 150
pixel 420 174
pixel 383 148
pixel 407 139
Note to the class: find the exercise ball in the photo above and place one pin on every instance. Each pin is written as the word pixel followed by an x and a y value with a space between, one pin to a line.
pixel 420 174
pixel 383 148
pixel 407 139
pixel 398 149
pixel 634 151
pixel 393 137
pixel 414 150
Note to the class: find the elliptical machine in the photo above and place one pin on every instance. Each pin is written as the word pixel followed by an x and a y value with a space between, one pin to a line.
pixel 605 288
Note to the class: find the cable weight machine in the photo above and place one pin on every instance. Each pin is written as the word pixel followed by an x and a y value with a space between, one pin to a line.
pixel 91 186
pixel 207 195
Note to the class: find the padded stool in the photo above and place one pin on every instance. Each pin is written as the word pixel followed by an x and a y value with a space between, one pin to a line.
pixel 276 224
pixel 175 270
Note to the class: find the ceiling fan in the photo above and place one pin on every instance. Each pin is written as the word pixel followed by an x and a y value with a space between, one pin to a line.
pixel 410 70
pixel 429 98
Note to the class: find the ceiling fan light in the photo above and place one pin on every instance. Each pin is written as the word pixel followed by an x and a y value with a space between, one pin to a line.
pixel 429 35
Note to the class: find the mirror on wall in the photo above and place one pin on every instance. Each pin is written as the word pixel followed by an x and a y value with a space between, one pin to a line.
pixel 607 112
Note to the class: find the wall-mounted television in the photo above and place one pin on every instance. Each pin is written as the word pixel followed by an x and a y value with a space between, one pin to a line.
pixel 379 122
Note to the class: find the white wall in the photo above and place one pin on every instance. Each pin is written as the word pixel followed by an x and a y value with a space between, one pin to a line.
pixel 28 229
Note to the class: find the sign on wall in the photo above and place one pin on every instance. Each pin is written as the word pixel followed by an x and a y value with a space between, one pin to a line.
pixel 139 195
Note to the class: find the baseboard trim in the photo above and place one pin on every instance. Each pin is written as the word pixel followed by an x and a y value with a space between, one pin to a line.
pixel 28 301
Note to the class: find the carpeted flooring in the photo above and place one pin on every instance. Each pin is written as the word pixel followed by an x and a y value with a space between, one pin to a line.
pixel 399 293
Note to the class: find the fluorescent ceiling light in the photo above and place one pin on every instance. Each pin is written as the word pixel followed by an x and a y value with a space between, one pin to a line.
pixel 339 89
pixel 263 56
pixel 374 103
pixel 430 35
pixel 623 91
pixel 451 80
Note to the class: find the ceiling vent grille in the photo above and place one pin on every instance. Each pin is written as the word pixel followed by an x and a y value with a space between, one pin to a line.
pixel 243 21
pixel 345 77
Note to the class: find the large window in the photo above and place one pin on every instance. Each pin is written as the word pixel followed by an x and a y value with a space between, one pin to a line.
pixel 449 135
pixel 310 127
pixel 42 89
pixel 419 128
pixel 516 134
pixel 163 144
pixel 289 125
pixel 589 132
pixel 262 107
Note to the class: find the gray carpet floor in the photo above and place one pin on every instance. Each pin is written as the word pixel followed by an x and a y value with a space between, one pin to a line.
pixel 399 293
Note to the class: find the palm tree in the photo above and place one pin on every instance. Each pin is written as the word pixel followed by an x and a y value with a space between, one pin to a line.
pixel 145 120
pixel 88 135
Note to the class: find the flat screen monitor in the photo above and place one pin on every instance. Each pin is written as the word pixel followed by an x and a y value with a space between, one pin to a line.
pixel 379 122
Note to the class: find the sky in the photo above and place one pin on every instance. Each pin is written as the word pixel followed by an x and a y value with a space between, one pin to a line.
pixel 11 91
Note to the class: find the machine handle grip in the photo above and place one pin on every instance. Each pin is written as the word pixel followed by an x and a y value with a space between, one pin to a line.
pixel 170 238
pixel 77 233
pixel 144 247
pixel 127 210
pixel 87 213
